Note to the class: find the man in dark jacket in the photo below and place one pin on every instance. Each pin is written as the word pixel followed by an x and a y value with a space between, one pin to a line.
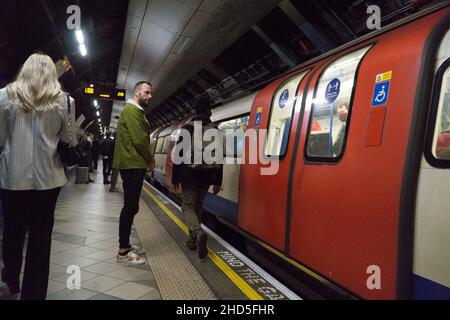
pixel 95 153
pixel 194 185
pixel 107 150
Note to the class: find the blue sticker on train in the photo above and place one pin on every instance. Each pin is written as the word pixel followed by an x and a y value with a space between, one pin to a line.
pixel 380 93
pixel 284 98
pixel 333 89
pixel 258 119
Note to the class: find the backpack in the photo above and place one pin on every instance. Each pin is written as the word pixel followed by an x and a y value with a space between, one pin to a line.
pixel 203 145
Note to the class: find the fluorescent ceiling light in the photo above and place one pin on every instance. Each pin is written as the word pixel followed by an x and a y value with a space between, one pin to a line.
pixel 80 37
pixel 95 103
pixel 83 50
pixel 98 114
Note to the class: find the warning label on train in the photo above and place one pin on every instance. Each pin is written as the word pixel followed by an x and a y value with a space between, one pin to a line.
pixel 385 76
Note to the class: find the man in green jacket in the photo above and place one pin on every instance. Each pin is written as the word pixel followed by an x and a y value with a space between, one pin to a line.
pixel 132 157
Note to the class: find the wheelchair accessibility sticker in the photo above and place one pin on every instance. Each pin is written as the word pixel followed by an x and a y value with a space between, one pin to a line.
pixel 258 116
pixel 380 93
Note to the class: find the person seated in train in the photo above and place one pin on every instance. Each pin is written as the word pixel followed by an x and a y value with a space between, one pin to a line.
pixel 342 112
pixel 443 145
pixel 193 184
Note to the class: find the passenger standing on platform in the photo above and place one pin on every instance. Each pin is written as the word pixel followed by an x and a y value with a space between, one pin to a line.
pixel 33 119
pixel 132 157
pixel 107 150
pixel 194 185
pixel 86 155
pixel 95 153
pixel 115 172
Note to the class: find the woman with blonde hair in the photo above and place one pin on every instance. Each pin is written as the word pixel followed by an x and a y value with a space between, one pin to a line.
pixel 33 119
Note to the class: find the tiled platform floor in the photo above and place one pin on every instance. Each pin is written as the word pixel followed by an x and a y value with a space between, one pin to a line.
pixel 85 234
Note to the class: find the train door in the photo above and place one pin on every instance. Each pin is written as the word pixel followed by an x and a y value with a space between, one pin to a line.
pixel 346 216
pixel 262 198
pixel 431 271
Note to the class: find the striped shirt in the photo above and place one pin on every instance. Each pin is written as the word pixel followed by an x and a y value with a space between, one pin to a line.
pixel 29 160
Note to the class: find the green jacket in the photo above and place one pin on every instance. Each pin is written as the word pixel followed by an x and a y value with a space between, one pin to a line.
pixel 132 150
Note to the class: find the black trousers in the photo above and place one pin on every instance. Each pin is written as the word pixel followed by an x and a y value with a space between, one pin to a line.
pixel 95 163
pixel 31 211
pixel 133 179
pixel 107 166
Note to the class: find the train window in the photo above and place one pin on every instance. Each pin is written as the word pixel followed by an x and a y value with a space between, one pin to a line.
pixel 281 113
pixel 331 107
pixel 165 147
pixel 159 145
pixel 441 140
pixel 234 135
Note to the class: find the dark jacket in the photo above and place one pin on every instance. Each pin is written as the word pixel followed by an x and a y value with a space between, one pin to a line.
pixel 95 149
pixel 107 148
pixel 183 174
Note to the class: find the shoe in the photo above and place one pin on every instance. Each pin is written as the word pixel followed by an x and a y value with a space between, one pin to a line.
pixel 202 238
pixel 6 295
pixel 190 243
pixel 137 250
pixel 113 190
pixel 130 258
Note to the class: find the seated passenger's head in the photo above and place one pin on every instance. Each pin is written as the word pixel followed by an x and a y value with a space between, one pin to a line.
pixel 342 112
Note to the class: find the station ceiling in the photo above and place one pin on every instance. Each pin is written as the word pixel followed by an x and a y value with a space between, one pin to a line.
pixel 187 48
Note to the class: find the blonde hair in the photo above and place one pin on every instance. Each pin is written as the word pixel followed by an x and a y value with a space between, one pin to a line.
pixel 36 87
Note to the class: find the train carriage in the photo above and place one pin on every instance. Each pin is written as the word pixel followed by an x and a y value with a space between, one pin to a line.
pixel 360 197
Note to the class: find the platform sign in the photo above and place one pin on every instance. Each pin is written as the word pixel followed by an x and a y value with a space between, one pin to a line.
pixel 258 116
pixel 105 93
pixel 333 89
pixel 380 93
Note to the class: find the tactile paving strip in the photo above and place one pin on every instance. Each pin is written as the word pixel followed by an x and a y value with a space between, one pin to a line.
pixel 176 277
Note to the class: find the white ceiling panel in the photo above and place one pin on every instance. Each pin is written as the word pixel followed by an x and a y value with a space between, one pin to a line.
pixel 191 4
pixel 127 52
pixel 179 37
pixel 132 26
pixel 147 56
pixel 210 5
pixel 196 23
pixel 155 34
pixel 170 14
pixel 137 7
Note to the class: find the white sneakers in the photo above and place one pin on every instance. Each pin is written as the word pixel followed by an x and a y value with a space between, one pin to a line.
pixel 136 249
pixel 132 257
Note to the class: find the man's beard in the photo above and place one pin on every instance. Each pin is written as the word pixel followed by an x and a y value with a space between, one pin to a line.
pixel 144 103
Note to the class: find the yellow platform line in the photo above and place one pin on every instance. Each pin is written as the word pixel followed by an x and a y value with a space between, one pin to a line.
pixel 294 263
pixel 251 293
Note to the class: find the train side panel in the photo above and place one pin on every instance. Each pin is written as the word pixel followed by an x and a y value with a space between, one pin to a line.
pixel 345 216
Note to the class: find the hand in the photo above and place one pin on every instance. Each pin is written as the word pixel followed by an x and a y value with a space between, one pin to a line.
pixel 178 188
pixel 217 189
pixel 151 166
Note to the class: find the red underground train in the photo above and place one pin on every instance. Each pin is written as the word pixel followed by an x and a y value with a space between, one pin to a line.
pixel 361 196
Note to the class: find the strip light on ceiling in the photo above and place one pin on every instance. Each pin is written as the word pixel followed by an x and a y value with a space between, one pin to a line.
pixel 80 38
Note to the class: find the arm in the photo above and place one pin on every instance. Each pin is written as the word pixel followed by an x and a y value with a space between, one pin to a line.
pixel 139 134
pixel 3 121
pixel 66 133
